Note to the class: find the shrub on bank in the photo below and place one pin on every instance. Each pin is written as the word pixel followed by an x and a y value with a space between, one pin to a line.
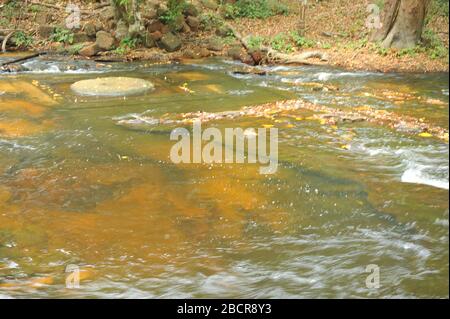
pixel 255 9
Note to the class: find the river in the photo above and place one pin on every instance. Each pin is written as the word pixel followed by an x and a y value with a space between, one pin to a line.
pixel 78 189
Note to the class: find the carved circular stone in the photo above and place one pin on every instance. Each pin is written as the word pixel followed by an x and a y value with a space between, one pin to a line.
pixel 111 86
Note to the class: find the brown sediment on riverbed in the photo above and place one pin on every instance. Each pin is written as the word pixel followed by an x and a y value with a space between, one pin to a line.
pixel 324 114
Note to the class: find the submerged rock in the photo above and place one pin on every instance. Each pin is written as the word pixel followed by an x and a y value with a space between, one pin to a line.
pixel 112 86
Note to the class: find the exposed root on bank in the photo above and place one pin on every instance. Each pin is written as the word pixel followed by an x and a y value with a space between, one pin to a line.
pixel 273 56
pixel 5 40
pixel 277 57
pixel 326 115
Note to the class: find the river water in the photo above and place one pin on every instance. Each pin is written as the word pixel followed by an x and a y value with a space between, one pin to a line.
pixel 78 189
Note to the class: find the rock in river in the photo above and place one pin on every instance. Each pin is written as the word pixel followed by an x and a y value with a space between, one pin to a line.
pixel 112 86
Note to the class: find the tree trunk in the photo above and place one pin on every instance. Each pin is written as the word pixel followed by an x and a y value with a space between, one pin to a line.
pixel 402 23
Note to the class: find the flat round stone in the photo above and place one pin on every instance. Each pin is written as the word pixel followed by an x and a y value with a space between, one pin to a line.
pixel 111 86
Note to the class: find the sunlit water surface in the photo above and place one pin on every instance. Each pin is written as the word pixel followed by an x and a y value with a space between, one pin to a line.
pixel 76 188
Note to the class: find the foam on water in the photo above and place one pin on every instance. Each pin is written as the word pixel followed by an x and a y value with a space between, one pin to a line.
pixel 420 164
pixel 416 174
pixel 11 145
pixel 55 68
pixel 240 92
pixel 326 76
pixel 441 222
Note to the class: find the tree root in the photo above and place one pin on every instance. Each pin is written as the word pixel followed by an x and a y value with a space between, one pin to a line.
pixel 5 40
pixel 273 56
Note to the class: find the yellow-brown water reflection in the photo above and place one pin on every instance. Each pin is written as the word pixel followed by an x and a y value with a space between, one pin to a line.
pixel 75 188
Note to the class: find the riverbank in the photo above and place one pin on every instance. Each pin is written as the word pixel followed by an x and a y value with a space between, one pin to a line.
pixel 205 31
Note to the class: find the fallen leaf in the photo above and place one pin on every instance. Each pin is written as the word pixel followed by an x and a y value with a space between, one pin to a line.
pixel 425 134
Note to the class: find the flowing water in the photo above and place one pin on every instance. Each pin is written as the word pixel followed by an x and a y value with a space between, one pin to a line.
pixel 78 189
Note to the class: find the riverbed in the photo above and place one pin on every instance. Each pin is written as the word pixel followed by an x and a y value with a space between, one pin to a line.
pixel 77 188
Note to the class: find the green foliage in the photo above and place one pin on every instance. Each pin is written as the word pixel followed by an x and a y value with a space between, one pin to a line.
pixel 255 42
pixel 301 41
pixel 23 40
pixel 126 45
pixel 359 44
pixel 379 49
pixel 438 8
pixel 229 39
pixel 10 10
pixel 35 8
pixel 433 45
pixel 408 52
pixel 380 4
pixel 210 21
pixel 123 3
pixel 230 11
pixel 75 49
pixel 62 35
pixel 174 11
pixel 281 42
pixel 255 9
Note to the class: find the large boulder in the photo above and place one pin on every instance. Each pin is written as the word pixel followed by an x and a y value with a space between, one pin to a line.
pixel 148 41
pixel 89 50
pixel 108 13
pixel 134 30
pixel 90 29
pixel 224 31
pixel 193 23
pixel 112 86
pixel 178 23
pixel 196 53
pixel 235 52
pixel 170 42
pixel 156 36
pixel 155 26
pixel 190 10
pixel 104 41
pixel 186 28
pixel 215 44
pixel 121 31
